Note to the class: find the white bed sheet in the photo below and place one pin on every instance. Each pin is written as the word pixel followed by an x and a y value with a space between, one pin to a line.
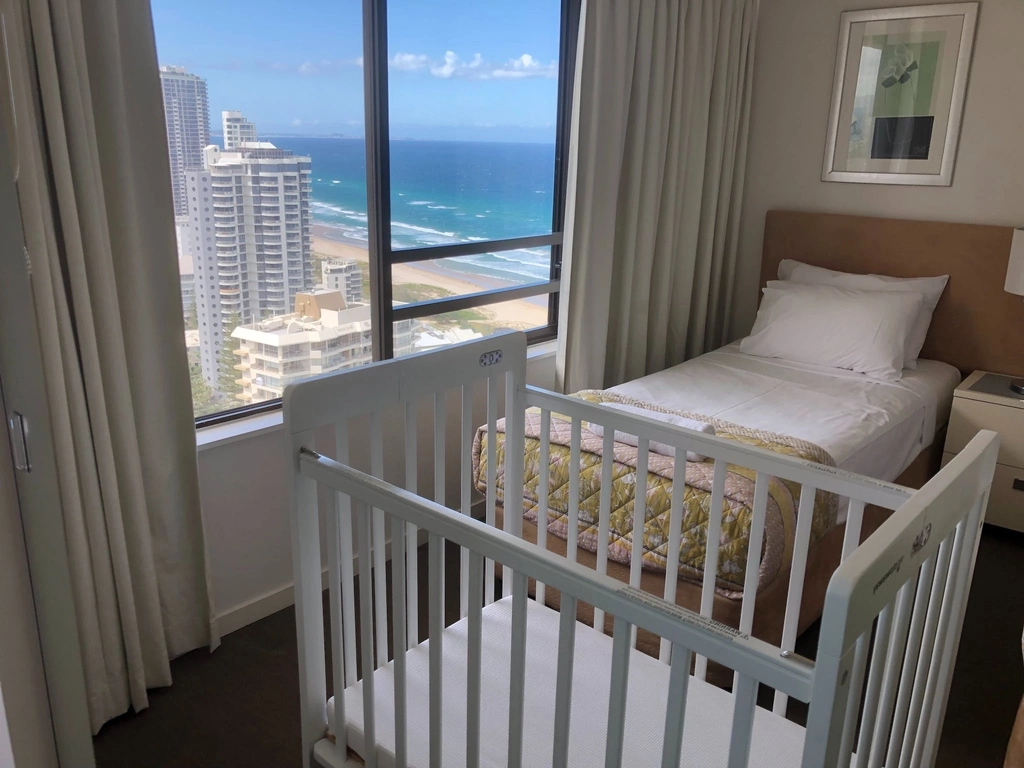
pixel 874 428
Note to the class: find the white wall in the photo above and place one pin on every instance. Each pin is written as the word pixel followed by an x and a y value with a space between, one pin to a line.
pixel 243 486
pixel 792 91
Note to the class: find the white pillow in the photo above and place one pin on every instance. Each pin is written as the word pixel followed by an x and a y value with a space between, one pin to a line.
pixel 930 287
pixel 862 331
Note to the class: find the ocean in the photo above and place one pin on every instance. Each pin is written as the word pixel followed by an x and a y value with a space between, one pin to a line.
pixel 442 192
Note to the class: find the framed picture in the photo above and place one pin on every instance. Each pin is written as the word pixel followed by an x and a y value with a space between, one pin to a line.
pixel 898 96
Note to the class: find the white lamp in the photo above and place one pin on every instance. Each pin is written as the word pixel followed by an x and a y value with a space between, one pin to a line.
pixel 1015 283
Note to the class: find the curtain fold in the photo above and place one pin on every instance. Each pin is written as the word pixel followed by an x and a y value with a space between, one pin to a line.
pixel 96 206
pixel 662 109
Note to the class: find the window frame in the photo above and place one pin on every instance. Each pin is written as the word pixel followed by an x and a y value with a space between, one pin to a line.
pixel 382 256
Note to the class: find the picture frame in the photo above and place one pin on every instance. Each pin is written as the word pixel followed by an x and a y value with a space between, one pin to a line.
pixel 898 94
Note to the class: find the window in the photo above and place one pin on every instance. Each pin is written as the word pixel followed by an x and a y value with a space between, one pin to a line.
pixel 377 185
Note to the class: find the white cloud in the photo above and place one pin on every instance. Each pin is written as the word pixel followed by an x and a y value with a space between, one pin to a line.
pixel 409 62
pixel 358 61
pixel 526 66
pixel 307 68
pixel 450 66
pixel 296 121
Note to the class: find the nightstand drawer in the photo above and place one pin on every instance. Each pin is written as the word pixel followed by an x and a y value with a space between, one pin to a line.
pixel 969 416
pixel 1005 502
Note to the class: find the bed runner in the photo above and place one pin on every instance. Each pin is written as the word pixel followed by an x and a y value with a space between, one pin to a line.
pixel 783 496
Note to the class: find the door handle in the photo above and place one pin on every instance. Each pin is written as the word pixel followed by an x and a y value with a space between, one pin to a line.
pixel 18 429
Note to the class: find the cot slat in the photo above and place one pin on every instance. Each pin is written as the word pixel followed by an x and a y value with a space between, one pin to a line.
pixel 439 478
pixel 435 557
pixel 636 558
pixel 675 709
pixel 563 679
pixel 412 550
pixel 380 594
pixel 851 540
pixel 714 538
pixel 893 663
pixel 802 542
pixel 924 659
pixel 476 574
pixel 466 488
pixel 924 579
pixel 364 524
pixel 543 489
pixel 604 513
pixel 860 660
pixel 492 477
pixel 675 527
pixel 880 650
pixel 854 524
pixel 337 643
pixel 348 577
pixel 439 457
pixel 398 638
pixel 942 638
pixel 618 690
pixel 744 700
pixel 757 526
pixel 517 679
pixel 572 535
pixel 515 451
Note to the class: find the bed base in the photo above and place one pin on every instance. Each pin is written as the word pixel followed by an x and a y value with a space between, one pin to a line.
pixel 903 590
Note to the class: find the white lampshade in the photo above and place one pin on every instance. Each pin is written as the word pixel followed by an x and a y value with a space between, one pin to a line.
pixel 1015 269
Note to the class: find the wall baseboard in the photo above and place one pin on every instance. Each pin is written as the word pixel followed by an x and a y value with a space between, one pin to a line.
pixel 258 608
pixel 280 598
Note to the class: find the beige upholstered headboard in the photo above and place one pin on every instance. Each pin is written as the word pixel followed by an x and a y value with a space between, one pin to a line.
pixel 977 325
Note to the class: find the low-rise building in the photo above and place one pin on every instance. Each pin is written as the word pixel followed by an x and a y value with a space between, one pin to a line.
pixel 323 335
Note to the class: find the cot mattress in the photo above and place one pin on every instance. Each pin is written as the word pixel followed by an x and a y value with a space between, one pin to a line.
pixel 873 428
pixel 776 741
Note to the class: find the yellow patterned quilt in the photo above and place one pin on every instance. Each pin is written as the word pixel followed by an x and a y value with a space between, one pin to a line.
pixel 783 496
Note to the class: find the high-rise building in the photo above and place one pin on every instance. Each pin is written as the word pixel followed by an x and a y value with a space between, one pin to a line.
pixel 237 130
pixel 187 114
pixel 251 240
pixel 343 275
pixel 321 336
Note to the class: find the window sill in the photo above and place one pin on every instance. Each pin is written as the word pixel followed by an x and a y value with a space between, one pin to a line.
pixel 238 429
pixel 250 426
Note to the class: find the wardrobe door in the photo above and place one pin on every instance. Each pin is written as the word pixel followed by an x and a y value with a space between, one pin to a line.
pixel 40 661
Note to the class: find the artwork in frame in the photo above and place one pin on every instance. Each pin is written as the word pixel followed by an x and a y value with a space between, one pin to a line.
pixel 898 95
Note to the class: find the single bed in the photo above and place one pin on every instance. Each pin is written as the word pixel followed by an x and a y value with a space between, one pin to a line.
pixel 878 429
pixel 888 431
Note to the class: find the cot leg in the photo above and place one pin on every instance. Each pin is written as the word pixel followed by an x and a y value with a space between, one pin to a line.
pixel 309 617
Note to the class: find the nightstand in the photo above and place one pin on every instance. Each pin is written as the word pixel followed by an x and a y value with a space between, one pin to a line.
pixel 985 401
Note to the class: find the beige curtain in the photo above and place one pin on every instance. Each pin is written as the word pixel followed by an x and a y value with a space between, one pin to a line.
pixel 96 204
pixel 660 134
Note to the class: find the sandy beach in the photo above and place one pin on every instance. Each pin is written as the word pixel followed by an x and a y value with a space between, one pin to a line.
pixel 522 314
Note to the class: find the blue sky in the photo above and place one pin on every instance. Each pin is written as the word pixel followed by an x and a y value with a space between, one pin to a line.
pixel 460 69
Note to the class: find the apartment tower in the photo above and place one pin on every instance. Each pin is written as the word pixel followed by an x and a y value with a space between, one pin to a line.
pixel 237 129
pixel 251 240
pixel 187 114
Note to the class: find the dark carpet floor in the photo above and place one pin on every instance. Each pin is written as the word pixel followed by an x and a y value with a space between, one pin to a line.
pixel 239 705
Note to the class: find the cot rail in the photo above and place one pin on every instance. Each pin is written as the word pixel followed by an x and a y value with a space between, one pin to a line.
pixel 678 625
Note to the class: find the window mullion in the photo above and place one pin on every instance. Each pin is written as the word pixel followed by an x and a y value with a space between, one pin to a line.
pixel 378 174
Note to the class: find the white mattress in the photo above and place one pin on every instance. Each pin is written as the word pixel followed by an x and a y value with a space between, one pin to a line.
pixel 873 428
pixel 777 742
